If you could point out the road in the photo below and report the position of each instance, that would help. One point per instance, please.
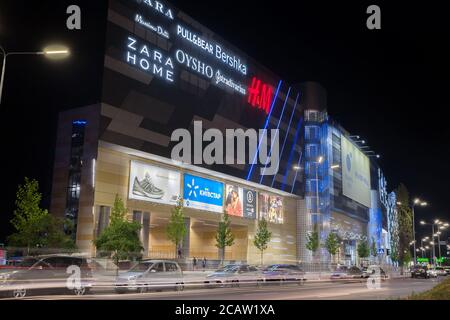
(391, 289)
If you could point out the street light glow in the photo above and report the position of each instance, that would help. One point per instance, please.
(422, 222)
(416, 201)
(320, 160)
(56, 52)
(424, 204)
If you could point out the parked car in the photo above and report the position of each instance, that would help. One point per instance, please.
(283, 273)
(447, 270)
(47, 274)
(234, 275)
(432, 273)
(420, 272)
(441, 271)
(374, 271)
(347, 273)
(150, 275)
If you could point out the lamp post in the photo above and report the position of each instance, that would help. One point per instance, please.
(416, 202)
(50, 51)
(434, 235)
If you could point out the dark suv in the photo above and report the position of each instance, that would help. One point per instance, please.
(47, 274)
(419, 272)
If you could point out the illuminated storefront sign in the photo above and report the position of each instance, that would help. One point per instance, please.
(220, 78)
(260, 95)
(205, 57)
(147, 24)
(203, 194)
(159, 7)
(194, 64)
(214, 49)
(151, 61)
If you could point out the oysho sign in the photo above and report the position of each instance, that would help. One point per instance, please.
(213, 49)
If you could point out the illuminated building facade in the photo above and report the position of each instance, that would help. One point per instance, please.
(161, 72)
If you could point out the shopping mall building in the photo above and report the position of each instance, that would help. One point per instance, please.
(163, 71)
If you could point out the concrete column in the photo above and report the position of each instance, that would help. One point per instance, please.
(187, 239)
(146, 232)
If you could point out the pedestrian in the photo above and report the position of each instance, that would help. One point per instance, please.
(179, 253)
(194, 263)
(204, 263)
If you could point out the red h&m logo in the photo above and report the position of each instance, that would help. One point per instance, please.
(260, 95)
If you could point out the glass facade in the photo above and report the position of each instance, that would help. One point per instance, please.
(74, 183)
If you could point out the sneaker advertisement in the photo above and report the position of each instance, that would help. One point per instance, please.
(154, 184)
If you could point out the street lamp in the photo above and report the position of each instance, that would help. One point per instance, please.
(53, 52)
(437, 235)
(416, 202)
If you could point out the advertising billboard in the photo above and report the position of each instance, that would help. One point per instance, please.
(270, 208)
(240, 202)
(355, 173)
(203, 194)
(153, 184)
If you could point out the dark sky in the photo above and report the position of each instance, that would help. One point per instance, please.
(388, 86)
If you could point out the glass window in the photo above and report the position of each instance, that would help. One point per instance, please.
(159, 267)
(171, 267)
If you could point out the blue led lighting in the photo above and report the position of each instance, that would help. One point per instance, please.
(296, 174)
(273, 138)
(265, 128)
(287, 132)
(79, 122)
(291, 154)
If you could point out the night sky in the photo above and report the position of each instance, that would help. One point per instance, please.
(388, 86)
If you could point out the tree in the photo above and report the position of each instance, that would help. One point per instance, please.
(121, 238)
(404, 217)
(363, 249)
(332, 244)
(224, 236)
(176, 229)
(35, 227)
(312, 240)
(373, 248)
(262, 237)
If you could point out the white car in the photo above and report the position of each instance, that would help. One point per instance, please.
(432, 273)
(233, 275)
(150, 275)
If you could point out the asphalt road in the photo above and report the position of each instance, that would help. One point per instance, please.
(391, 289)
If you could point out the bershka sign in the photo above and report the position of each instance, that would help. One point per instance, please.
(180, 49)
(214, 49)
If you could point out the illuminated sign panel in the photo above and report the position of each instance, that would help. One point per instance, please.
(355, 173)
(192, 50)
(203, 194)
(240, 202)
(260, 95)
(153, 184)
(149, 59)
(270, 208)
